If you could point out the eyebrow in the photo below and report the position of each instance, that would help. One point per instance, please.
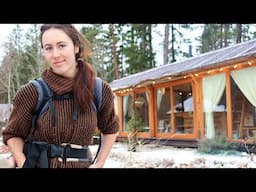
(60, 42)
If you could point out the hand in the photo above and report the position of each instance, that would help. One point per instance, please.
(4, 149)
(20, 163)
(96, 165)
(20, 160)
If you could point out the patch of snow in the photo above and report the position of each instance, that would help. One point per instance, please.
(159, 156)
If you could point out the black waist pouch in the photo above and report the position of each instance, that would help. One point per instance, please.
(36, 154)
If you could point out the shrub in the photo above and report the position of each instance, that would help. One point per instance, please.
(218, 144)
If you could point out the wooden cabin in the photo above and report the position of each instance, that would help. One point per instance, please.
(213, 94)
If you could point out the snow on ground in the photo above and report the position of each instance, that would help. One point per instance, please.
(160, 156)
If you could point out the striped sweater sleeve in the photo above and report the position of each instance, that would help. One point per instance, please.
(108, 121)
(19, 121)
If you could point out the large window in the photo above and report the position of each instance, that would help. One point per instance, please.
(163, 109)
(141, 111)
(135, 112)
(183, 108)
(243, 103)
(127, 111)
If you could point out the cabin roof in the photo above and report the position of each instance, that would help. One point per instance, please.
(213, 59)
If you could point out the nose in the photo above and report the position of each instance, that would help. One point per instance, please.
(55, 53)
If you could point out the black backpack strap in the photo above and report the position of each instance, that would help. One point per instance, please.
(43, 101)
(39, 101)
(48, 96)
(97, 103)
(97, 94)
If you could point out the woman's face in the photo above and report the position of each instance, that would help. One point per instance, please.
(59, 52)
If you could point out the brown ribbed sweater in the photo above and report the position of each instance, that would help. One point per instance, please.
(67, 130)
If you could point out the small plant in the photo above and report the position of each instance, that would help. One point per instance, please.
(134, 125)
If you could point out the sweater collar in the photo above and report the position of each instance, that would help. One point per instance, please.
(57, 83)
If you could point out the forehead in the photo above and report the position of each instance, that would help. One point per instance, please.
(53, 36)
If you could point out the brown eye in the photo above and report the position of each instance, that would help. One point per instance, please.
(62, 46)
(48, 48)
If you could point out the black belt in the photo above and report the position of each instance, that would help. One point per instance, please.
(67, 151)
(37, 153)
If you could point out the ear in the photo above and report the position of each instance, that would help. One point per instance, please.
(76, 49)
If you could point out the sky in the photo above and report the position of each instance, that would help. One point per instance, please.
(6, 29)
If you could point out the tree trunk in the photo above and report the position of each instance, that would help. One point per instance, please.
(132, 140)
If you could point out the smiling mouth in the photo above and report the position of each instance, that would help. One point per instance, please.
(58, 62)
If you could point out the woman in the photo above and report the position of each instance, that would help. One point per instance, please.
(66, 52)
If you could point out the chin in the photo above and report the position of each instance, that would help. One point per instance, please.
(59, 72)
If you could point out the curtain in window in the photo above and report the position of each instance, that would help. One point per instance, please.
(246, 81)
(213, 87)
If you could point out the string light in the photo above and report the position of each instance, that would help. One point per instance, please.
(211, 71)
(163, 91)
